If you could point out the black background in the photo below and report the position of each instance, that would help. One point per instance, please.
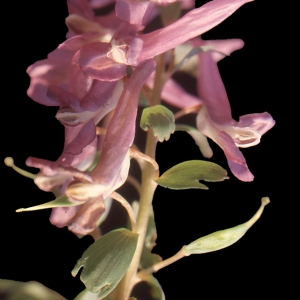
(33, 249)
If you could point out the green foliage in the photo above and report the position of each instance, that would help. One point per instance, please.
(106, 261)
(160, 119)
(32, 290)
(186, 175)
(61, 201)
(223, 238)
(155, 288)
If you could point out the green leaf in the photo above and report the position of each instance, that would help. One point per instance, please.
(156, 291)
(186, 175)
(106, 261)
(223, 238)
(161, 121)
(32, 290)
(61, 201)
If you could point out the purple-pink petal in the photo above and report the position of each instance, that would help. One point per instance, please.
(81, 147)
(94, 62)
(235, 158)
(62, 216)
(211, 90)
(175, 95)
(261, 122)
(194, 23)
(121, 129)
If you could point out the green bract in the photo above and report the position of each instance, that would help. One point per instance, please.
(161, 121)
(61, 201)
(186, 175)
(224, 238)
(32, 290)
(155, 288)
(106, 261)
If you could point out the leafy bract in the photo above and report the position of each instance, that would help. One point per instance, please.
(106, 261)
(186, 175)
(223, 238)
(62, 201)
(155, 288)
(160, 119)
(31, 290)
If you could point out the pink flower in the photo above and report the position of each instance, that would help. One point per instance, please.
(194, 23)
(84, 76)
(214, 118)
(215, 121)
(112, 168)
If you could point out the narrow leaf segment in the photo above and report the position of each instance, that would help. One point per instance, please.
(62, 201)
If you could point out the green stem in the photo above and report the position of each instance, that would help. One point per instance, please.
(123, 290)
(156, 267)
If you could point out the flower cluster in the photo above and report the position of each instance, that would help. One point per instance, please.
(97, 74)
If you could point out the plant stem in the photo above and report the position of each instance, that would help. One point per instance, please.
(123, 290)
(144, 273)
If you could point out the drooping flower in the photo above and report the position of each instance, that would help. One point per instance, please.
(214, 118)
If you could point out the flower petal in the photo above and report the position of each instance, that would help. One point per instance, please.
(121, 129)
(235, 158)
(61, 216)
(260, 122)
(175, 95)
(212, 91)
(94, 62)
(194, 23)
(87, 216)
